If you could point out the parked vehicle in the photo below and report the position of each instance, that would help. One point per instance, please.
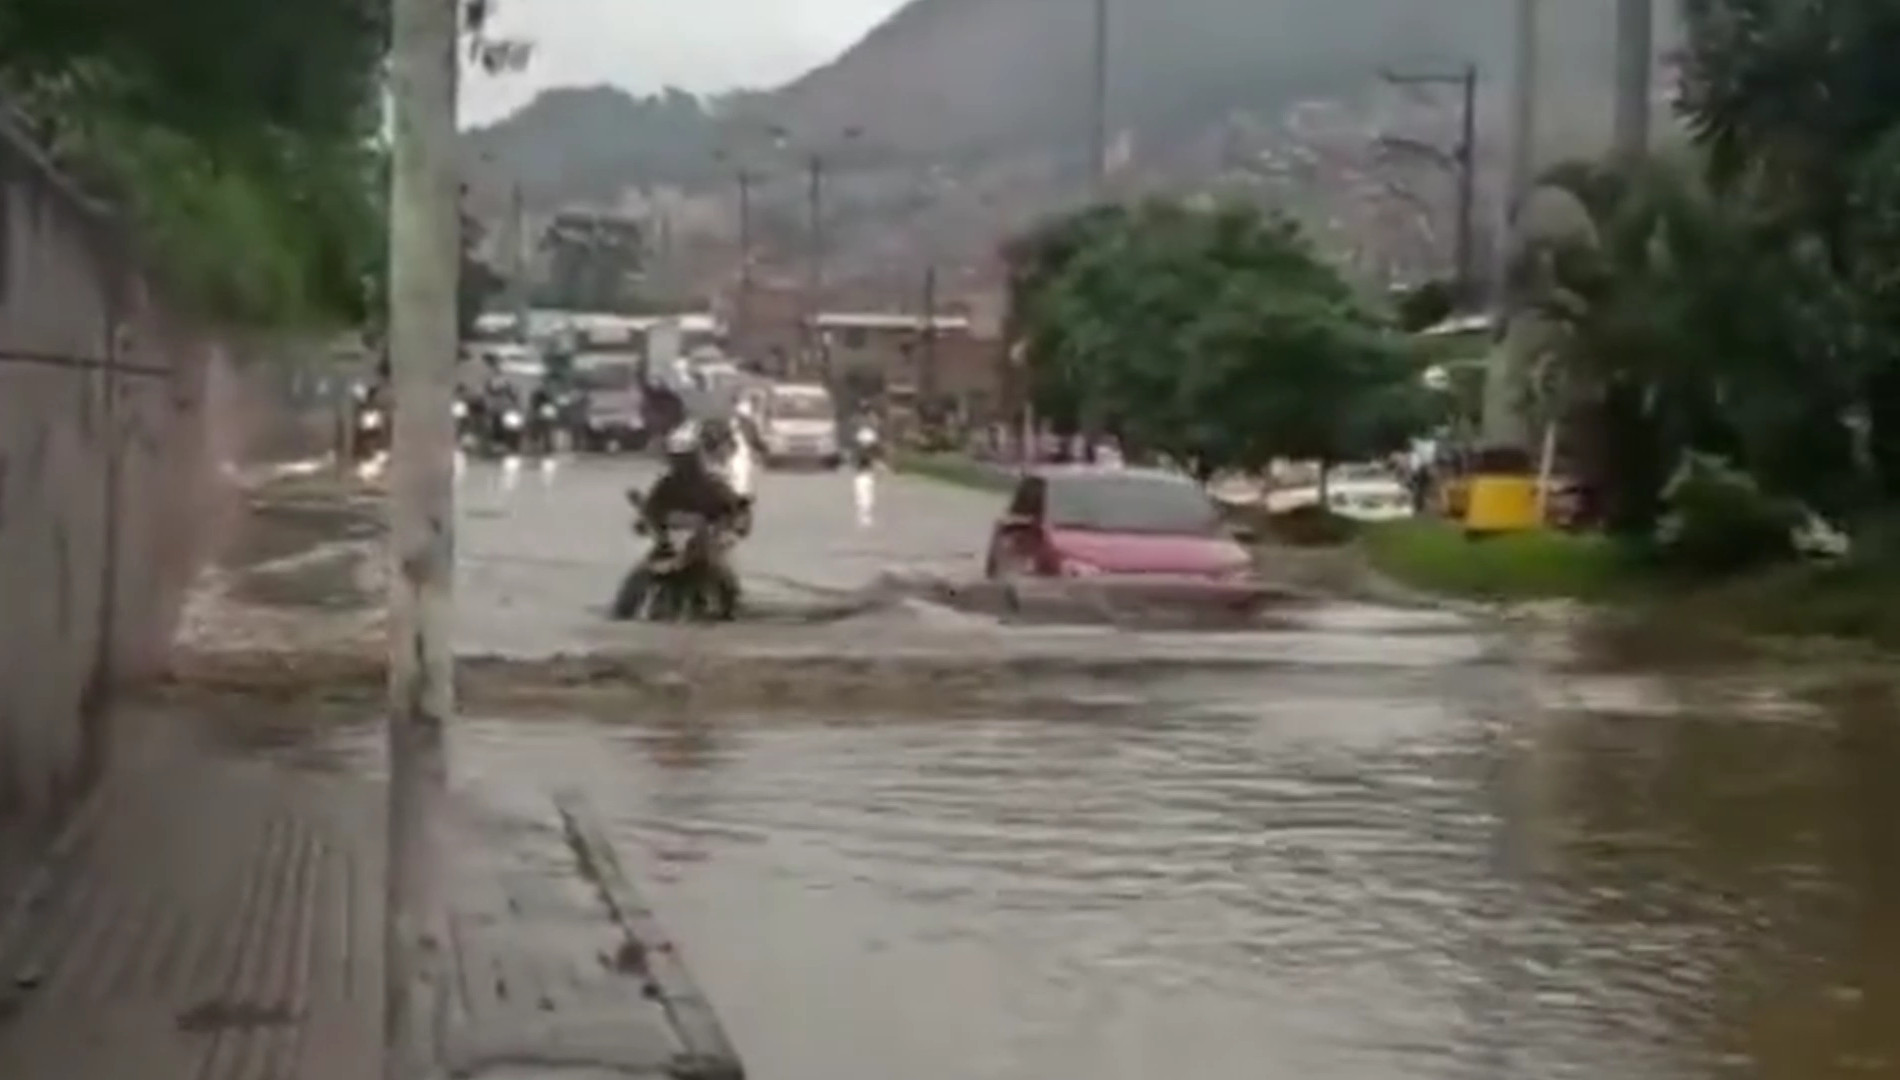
(1138, 529)
(1357, 492)
(798, 423)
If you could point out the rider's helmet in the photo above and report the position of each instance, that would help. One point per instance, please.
(683, 442)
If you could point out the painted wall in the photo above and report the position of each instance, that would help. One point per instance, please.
(106, 488)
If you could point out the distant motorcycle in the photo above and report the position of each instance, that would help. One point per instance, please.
(542, 431)
(686, 576)
(369, 425)
(469, 416)
(506, 428)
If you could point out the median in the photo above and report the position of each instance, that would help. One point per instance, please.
(1436, 556)
(959, 469)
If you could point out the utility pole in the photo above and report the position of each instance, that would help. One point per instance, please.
(1635, 66)
(1468, 187)
(1098, 104)
(518, 259)
(927, 370)
(742, 315)
(424, 250)
(1462, 162)
(815, 258)
(1504, 424)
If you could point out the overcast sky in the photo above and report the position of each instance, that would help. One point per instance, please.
(643, 45)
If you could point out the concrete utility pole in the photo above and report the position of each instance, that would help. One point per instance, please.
(519, 286)
(1098, 103)
(1635, 71)
(1462, 162)
(1504, 424)
(1468, 186)
(742, 314)
(815, 257)
(927, 369)
(424, 249)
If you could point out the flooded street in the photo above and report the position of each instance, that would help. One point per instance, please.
(1338, 874)
(1400, 845)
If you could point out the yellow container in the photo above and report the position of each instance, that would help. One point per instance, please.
(1502, 503)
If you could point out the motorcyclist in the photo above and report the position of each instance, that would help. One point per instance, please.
(544, 414)
(664, 409)
(689, 486)
(499, 400)
(867, 449)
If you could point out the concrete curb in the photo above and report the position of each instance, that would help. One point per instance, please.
(646, 951)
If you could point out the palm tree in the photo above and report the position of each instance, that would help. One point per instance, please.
(1676, 323)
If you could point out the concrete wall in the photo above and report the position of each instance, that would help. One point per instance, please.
(105, 492)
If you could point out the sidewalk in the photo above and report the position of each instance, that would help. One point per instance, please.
(216, 915)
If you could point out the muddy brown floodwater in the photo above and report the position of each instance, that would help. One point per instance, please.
(1546, 861)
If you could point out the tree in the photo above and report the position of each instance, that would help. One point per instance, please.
(1214, 336)
(1797, 104)
(595, 259)
(479, 282)
(251, 170)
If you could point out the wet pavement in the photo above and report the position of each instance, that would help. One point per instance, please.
(1354, 843)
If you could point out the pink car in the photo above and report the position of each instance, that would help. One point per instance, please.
(1153, 532)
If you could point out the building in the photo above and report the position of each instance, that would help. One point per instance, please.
(902, 357)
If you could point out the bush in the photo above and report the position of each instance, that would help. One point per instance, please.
(1717, 520)
(1309, 526)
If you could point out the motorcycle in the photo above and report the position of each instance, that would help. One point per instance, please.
(543, 427)
(686, 577)
(507, 428)
(369, 425)
(468, 423)
(369, 432)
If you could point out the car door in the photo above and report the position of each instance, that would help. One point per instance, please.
(1016, 546)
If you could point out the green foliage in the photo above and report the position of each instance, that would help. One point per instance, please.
(1311, 525)
(595, 259)
(1427, 305)
(237, 135)
(1719, 521)
(478, 283)
(959, 470)
(1216, 337)
(1435, 556)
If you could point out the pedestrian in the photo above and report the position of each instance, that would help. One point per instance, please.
(866, 454)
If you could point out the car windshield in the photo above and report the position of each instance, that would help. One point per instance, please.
(1131, 503)
(801, 407)
(607, 377)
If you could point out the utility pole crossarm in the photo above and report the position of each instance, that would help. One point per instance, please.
(1402, 144)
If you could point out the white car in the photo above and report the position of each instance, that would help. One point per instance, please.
(1360, 498)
